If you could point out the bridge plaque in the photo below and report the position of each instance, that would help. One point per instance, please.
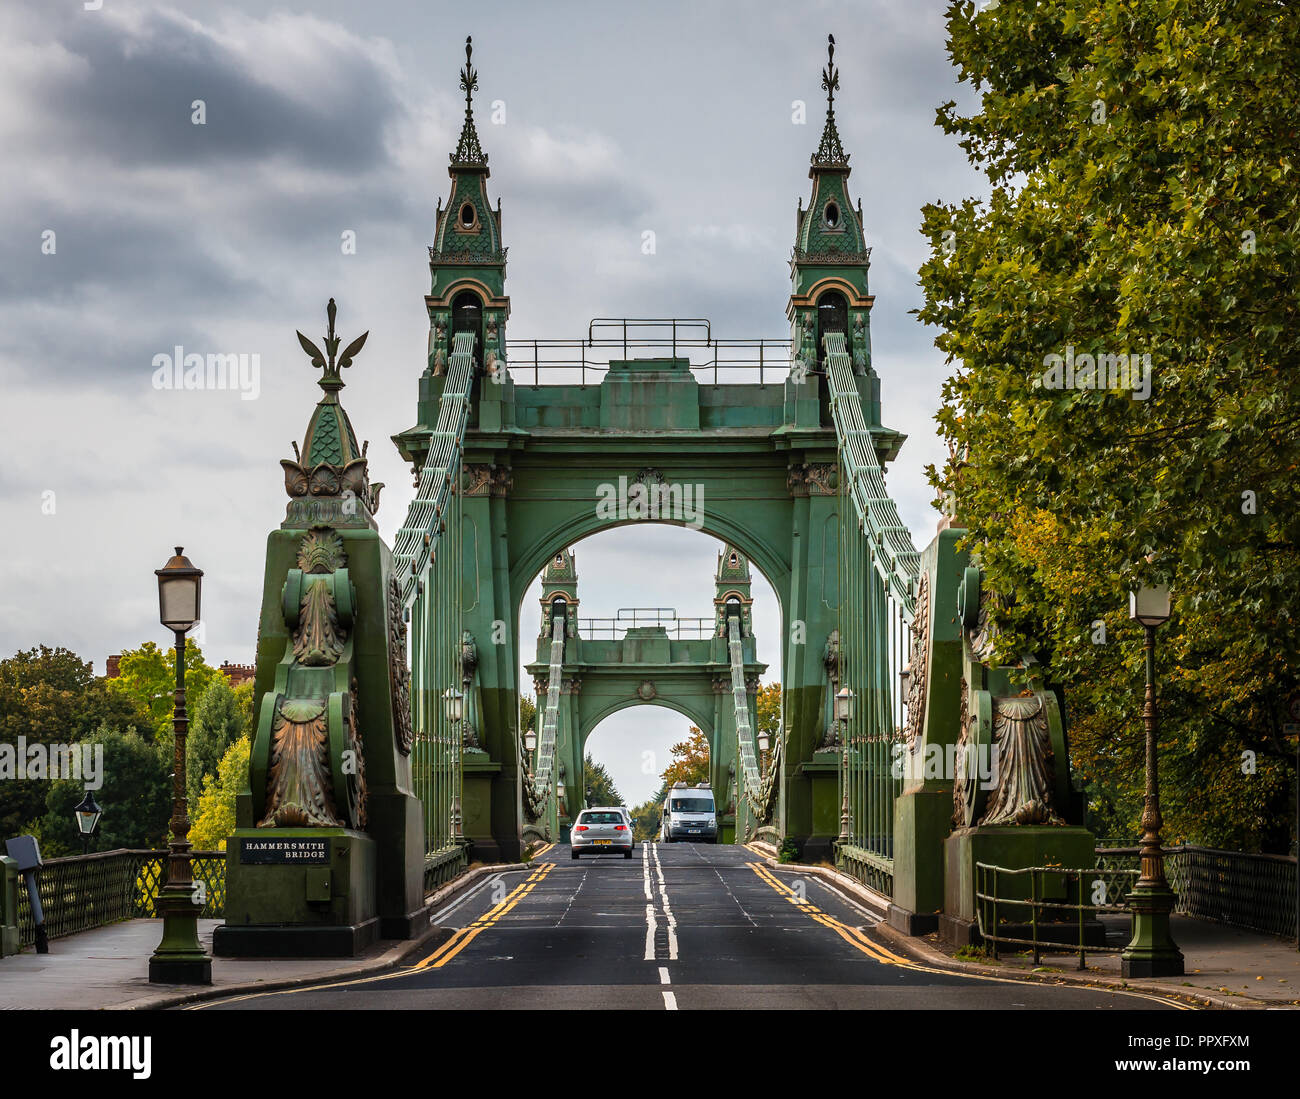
(279, 852)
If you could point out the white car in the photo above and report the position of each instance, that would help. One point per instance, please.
(603, 830)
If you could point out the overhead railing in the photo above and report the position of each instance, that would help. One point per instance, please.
(585, 361)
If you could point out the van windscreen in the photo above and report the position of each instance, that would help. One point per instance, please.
(692, 805)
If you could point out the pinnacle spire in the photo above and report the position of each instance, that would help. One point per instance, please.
(468, 149)
(331, 365)
(830, 153)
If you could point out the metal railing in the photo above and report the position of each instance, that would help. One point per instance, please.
(609, 629)
(879, 583)
(681, 337)
(1254, 892)
(83, 892)
(1055, 900)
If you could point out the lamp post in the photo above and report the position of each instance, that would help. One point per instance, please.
(179, 958)
(530, 745)
(87, 812)
(843, 712)
(1152, 951)
(453, 704)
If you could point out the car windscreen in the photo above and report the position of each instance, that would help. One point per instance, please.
(601, 818)
(692, 805)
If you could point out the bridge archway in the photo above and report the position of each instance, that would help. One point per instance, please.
(644, 657)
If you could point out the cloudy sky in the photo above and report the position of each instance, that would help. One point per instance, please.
(130, 230)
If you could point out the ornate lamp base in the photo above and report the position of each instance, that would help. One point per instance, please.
(1152, 951)
(179, 959)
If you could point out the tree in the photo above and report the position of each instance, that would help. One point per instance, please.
(148, 675)
(1141, 223)
(217, 723)
(768, 712)
(214, 818)
(528, 714)
(51, 696)
(645, 817)
(690, 760)
(600, 788)
(136, 798)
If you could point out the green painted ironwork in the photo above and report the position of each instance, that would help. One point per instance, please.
(879, 569)
(82, 892)
(428, 560)
(749, 769)
(1256, 892)
(1055, 902)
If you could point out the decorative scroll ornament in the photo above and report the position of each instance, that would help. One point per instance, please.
(961, 798)
(983, 633)
(1025, 764)
(318, 641)
(399, 673)
(299, 792)
(918, 662)
(468, 668)
(308, 746)
(831, 662)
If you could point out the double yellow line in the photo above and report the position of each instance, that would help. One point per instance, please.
(875, 951)
(467, 935)
(850, 935)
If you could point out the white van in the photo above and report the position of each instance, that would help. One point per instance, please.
(689, 814)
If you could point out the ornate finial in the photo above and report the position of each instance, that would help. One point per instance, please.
(468, 150)
(830, 74)
(468, 77)
(331, 380)
(830, 153)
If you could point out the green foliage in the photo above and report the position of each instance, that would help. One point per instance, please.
(645, 817)
(148, 676)
(600, 788)
(135, 797)
(1141, 159)
(217, 723)
(528, 713)
(214, 819)
(51, 696)
(789, 851)
(690, 760)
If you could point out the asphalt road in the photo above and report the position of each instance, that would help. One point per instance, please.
(677, 927)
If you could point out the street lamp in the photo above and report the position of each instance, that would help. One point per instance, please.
(87, 812)
(764, 741)
(179, 958)
(1152, 951)
(453, 703)
(844, 704)
(530, 742)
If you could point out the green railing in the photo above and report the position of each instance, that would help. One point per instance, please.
(83, 892)
(444, 866)
(879, 574)
(1046, 899)
(1255, 892)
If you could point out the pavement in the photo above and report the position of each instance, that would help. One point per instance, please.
(677, 927)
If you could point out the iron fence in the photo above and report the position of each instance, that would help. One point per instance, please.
(1255, 892)
(82, 892)
(679, 629)
(1055, 903)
